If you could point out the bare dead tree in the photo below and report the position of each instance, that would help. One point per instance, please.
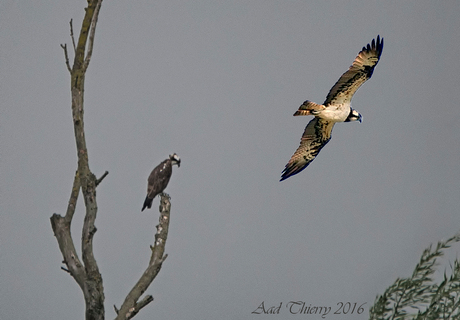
(86, 271)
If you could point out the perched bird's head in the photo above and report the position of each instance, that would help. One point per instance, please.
(354, 116)
(175, 159)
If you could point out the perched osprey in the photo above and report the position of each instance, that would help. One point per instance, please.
(159, 178)
(336, 108)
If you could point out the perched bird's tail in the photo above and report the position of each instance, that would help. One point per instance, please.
(147, 203)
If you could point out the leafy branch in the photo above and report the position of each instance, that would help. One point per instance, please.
(418, 297)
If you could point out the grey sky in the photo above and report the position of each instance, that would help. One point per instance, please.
(217, 82)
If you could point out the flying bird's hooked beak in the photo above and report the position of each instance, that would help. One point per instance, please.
(354, 116)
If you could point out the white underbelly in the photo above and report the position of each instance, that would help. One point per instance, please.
(336, 113)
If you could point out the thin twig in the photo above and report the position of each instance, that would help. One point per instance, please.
(66, 270)
(138, 306)
(91, 35)
(64, 47)
(71, 35)
(145, 301)
(101, 178)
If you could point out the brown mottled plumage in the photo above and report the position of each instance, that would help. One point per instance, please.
(159, 178)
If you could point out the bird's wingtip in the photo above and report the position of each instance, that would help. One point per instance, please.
(285, 174)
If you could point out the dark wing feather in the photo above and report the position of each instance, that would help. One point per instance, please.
(316, 135)
(159, 178)
(157, 182)
(360, 71)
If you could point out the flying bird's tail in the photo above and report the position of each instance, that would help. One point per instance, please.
(309, 108)
(147, 203)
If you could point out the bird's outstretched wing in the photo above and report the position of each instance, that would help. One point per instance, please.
(316, 135)
(360, 71)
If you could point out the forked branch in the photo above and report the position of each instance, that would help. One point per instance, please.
(85, 271)
(131, 306)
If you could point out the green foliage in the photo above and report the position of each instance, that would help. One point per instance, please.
(418, 297)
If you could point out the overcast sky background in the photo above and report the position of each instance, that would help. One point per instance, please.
(217, 82)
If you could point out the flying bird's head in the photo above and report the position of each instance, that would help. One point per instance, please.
(175, 159)
(354, 116)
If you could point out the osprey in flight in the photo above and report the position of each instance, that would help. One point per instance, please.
(159, 178)
(336, 108)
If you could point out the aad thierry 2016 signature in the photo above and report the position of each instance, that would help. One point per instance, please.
(301, 307)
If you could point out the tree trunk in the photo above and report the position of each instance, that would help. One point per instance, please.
(86, 272)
